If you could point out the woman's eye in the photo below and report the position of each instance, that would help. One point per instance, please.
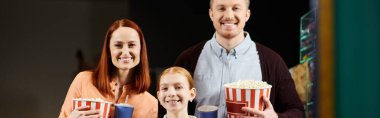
(118, 45)
(131, 45)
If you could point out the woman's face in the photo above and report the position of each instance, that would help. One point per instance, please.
(125, 48)
(174, 92)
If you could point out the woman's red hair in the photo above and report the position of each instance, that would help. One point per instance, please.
(140, 81)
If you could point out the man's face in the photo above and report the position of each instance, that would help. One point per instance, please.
(229, 17)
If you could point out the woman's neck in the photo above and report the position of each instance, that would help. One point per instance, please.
(123, 76)
(180, 114)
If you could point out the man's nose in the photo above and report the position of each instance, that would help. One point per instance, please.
(229, 14)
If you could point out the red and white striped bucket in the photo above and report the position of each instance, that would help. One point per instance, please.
(102, 106)
(237, 98)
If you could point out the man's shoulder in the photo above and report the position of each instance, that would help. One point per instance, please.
(266, 52)
(197, 47)
(192, 51)
(189, 57)
(269, 58)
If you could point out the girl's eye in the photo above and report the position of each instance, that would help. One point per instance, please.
(164, 89)
(178, 87)
(235, 8)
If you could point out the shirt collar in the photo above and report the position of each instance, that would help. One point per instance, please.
(237, 51)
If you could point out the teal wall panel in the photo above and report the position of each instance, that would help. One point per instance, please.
(357, 49)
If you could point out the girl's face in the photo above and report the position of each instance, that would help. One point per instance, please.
(125, 48)
(174, 92)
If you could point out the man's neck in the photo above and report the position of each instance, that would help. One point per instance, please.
(229, 43)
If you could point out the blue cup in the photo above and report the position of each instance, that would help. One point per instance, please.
(208, 111)
(123, 111)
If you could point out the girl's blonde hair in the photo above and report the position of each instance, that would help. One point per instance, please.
(177, 70)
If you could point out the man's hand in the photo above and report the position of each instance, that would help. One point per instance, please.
(268, 112)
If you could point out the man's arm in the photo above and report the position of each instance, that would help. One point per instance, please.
(284, 97)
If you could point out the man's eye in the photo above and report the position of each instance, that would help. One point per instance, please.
(221, 9)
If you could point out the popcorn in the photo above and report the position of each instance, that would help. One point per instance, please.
(95, 104)
(248, 84)
(245, 93)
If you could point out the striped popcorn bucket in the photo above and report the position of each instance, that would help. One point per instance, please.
(102, 106)
(237, 98)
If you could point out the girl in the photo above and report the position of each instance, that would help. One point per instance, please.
(175, 89)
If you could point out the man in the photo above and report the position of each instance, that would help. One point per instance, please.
(231, 55)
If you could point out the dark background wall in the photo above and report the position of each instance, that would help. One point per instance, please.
(38, 44)
(171, 26)
(39, 40)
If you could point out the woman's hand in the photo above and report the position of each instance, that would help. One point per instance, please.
(84, 112)
(268, 112)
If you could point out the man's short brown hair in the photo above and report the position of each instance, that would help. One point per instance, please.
(248, 2)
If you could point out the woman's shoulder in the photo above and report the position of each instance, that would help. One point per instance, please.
(85, 73)
(144, 97)
(150, 97)
(84, 76)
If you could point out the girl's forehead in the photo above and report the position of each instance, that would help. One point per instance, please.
(173, 78)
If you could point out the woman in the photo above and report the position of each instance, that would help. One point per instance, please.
(123, 71)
